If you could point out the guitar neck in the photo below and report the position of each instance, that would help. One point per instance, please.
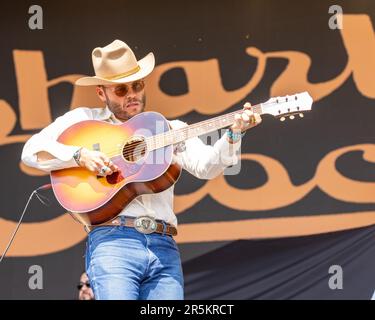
(194, 130)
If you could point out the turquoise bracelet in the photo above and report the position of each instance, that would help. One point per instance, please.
(234, 136)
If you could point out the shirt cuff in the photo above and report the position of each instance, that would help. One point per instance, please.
(228, 151)
(62, 153)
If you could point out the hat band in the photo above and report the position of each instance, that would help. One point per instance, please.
(125, 74)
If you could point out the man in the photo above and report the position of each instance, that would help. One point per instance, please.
(124, 262)
(84, 288)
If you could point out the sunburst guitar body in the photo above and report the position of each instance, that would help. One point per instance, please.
(94, 199)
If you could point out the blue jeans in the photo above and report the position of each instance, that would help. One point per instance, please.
(124, 264)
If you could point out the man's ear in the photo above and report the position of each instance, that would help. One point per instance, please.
(100, 93)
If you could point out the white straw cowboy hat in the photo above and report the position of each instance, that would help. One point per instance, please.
(116, 63)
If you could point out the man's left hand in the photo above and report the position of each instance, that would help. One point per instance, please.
(246, 119)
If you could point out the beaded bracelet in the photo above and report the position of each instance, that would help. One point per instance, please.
(77, 156)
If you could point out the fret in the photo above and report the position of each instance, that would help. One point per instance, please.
(169, 140)
(197, 129)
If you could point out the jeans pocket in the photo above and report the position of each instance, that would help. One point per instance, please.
(100, 232)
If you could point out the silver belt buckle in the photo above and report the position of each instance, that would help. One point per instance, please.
(145, 224)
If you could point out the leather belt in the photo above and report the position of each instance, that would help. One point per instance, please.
(143, 224)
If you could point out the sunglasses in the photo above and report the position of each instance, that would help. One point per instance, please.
(81, 284)
(123, 89)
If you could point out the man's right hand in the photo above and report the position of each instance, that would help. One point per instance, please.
(97, 161)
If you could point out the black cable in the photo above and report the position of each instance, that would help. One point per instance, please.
(39, 196)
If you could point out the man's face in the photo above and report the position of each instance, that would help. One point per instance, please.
(85, 293)
(124, 100)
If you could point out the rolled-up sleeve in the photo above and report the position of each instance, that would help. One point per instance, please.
(206, 161)
(46, 140)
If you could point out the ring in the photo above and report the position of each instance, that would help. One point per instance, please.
(252, 120)
(103, 170)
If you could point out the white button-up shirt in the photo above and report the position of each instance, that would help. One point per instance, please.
(201, 160)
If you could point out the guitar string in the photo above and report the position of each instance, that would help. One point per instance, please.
(128, 150)
(162, 138)
(165, 136)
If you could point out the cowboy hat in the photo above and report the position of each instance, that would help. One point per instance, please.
(116, 63)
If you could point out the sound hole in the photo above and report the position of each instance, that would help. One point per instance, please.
(134, 149)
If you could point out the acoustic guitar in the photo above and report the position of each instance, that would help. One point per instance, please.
(142, 148)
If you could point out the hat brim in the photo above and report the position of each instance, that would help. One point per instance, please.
(146, 65)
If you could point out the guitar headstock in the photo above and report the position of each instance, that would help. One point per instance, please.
(288, 106)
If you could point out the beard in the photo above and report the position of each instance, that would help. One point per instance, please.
(85, 296)
(124, 113)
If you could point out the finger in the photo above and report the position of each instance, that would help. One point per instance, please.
(107, 162)
(255, 119)
(245, 117)
(99, 163)
(101, 168)
(249, 113)
(247, 105)
(91, 168)
(108, 170)
(98, 169)
(105, 171)
(258, 118)
(104, 158)
(112, 166)
(237, 120)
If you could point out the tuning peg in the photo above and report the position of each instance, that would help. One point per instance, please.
(291, 117)
(301, 115)
(282, 119)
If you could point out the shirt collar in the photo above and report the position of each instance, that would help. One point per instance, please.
(107, 114)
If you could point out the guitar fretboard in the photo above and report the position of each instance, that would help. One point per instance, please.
(175, 136)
